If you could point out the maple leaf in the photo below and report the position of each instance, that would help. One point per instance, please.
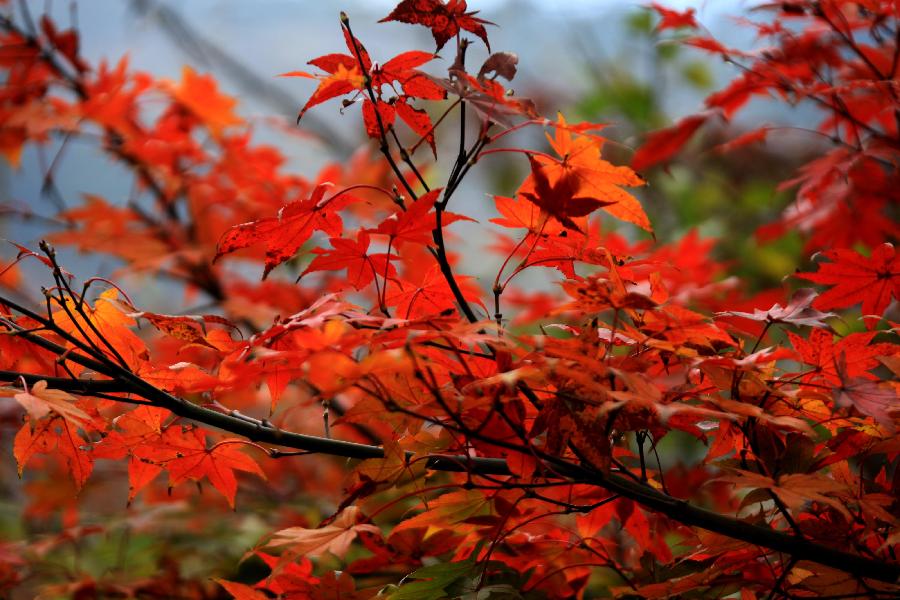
(448, 510)
(521, 214)
(348, 72)
(710, 45)
(501, 64)
(105, 326)
(413, 224)
(444, 20)
(188, 328)
(855, 352)
(185, 455)
(66, 42)
(200, 95)
(181, 378)
(25, 252)
(386, 470)
(856, 278)
(353, 255)
(673, 19)
(107, 225)
(385, 111)
(142, 426)
(345, 78)
(872, 398)
(438, 580)
(417, 120)
(681, 326)
(416, 223)
(794, 489)
(40, 401)
(54, 436)
(663, 144)
(240, 591)
(581, 181)
(286, 233)
(289, 579)
(559, 199)
(492, 102)
(751, 137)
(797, 312)
(334, 538)
(597, 293)
(430, 296)
(403, 69)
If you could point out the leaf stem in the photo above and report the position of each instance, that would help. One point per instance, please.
(367, 81)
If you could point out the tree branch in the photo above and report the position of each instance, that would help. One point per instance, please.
(123, 381)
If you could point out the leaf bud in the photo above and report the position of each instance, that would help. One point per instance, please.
(46, 248)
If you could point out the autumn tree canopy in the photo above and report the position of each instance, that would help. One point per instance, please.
(351, 415)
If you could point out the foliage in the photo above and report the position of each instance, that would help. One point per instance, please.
(508, 446)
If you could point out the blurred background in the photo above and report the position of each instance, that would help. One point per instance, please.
(597, 60)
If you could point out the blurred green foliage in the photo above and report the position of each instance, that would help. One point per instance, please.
(725, 196)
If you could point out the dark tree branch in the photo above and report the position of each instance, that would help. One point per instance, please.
(124, 381)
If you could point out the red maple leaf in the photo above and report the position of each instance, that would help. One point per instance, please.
(403, 69)
(444, 20)
(415, 224)
(430, 296)
(661, 145)
(346, 73)
(284, 234)
(560, 199)
(334, 538)
(185, 454)
(354, 256)
(857, 352)
(241, 591)
(294, 577)
(856, 278)
(673, 19)
(59, 437)
(40, 401)
(385, 110)
(417, 120)
(200, 95)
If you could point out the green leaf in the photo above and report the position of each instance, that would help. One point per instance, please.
(434, 580)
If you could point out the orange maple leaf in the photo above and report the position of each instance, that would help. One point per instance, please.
(54, 436)
(200, 95)
(581, 181)
(107, 327)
